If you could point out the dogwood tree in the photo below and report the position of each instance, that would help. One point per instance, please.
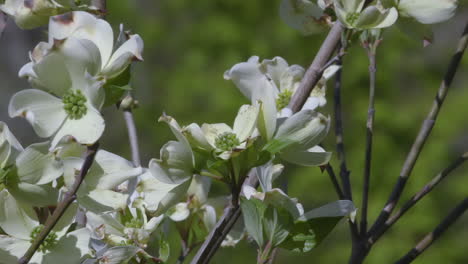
(67, 200)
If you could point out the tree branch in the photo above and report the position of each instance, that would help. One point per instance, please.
(417, 197)
(430, 238)
(223, 226)
(314, 72)
(423, 134)
(340, 149)
(127, 104)
(334, 180)
(371, 50)
(70, 196)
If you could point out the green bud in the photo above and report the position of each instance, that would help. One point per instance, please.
(74, 104)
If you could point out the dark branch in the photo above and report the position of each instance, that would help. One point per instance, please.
(334, 180)
(314, 72)
(430, 238)
(423, 134)
(222, 228)
(417, 197)
(369, 136)
(70, 196)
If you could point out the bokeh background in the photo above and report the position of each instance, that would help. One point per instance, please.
(189, 45)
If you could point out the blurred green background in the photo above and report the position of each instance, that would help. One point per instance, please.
(189, 45)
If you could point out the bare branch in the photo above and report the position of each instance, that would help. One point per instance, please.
(430, 238)
(70, 196)
(369, 136)
(334, 180)
(314, 72)
(340, 149)
(423, 134)
(417, 197)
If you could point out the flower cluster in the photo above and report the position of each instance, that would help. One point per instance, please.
(81, 69)
(305, 15)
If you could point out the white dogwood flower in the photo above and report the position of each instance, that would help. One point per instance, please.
(22, 226)
(97, 192)
(88, 47)
(353, 14)
(73, 110)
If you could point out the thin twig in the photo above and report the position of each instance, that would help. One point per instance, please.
(430, 238)
(334, 180)
(417, 197)
(340, 149)
(70, 196)
(423, 134)
(371, 50)
(314, 72)
(223, 226)
(184, 252)
(133, 139)
(273, 255)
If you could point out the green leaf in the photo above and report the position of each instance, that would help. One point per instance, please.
(253, 211)
(164, 249)
(277, 223)
(302, 238)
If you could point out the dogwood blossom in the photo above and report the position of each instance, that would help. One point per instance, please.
(98, 192)
(353, 14)
(88, 47)
(72, 111)
(21, 227)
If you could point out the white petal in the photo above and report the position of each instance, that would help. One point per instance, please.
(301, 131)
(428, 11)
(71, 166)
(83, 25)
(123, 56)
(79, 56)
(209, 217)
(110, 170)
(107, 221)
(9, 146)
(248, 77)
(372, 17)
(99, 200)
(160, 196)
(36, 165)
(301, 15)
(334, 209)
(86, 130)
(119, 255)
(33, 194)
(274, 69)
(71, 248)
(199, 188)
(44, 111)
(179, 212)
(195, 136)
(15, 220)
(245, 122)
(12, 249)
(315, 156)
(212, 131)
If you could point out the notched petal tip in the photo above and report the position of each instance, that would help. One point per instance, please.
(64, 19)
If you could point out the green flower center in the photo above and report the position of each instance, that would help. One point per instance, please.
(134, 223)
(352, 17)
(50, 241)
(283, 99)
(227, 141)
(74, 104)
